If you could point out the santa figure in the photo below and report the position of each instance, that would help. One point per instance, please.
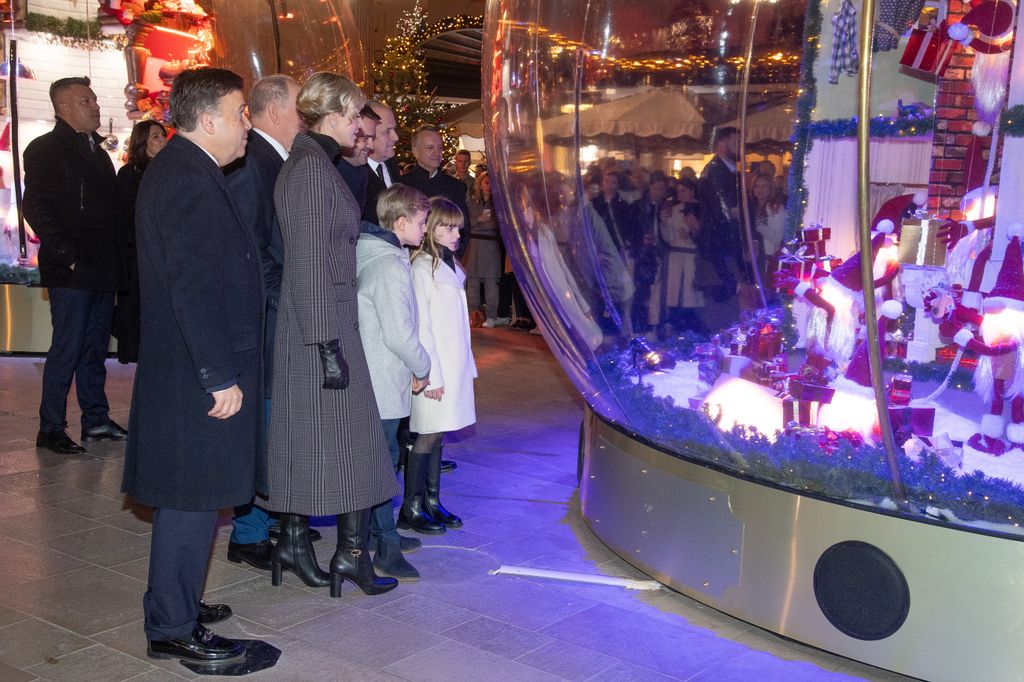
(837, 298)
(999, 376)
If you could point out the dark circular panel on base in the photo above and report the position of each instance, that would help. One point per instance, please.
(861, 590)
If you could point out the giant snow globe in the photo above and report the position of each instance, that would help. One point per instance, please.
(766, 242)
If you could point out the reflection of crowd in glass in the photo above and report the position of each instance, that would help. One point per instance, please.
(647, 251)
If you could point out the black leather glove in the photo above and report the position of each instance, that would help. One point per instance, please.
(335, 367)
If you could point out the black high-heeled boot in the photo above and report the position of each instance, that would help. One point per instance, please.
(294, 551)
(351, 561)
(414, 515)
(432, 494)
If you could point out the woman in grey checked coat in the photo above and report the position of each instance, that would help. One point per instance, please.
(327, 453)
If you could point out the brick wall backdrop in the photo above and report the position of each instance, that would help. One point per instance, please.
(954, 116)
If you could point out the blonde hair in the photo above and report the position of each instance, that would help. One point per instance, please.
(326, 93)
(399, 201)
(443, 212)
(478, 186)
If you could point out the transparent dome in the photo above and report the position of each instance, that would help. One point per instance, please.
(257, 38)
(677, 185)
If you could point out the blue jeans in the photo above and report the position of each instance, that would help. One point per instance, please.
(252, 524)
(82, 322)
(382, 518)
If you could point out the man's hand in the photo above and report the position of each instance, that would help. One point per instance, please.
(435, 393)
(226, 403)
(419, 384)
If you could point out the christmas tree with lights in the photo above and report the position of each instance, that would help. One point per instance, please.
(400, 81)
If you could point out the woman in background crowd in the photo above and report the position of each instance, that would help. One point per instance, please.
(146, 141)
(483, 256)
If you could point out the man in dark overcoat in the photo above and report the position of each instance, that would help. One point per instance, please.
(381, 160)
(275, 123)
(71, 203)
(427, 176)
(196, 430)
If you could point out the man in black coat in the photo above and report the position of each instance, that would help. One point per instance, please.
(275, 123)
(70, 201)
(381, 160)
(720, 241)
(352, 164)
(427, 176)
(196, 435)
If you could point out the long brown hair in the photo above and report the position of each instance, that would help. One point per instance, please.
(137, 155)
(442, 213)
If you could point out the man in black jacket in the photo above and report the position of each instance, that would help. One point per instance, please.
(71, 204)
(720, 240)
(427, 177)
(352, 164)
(381, 160)
(275, 123)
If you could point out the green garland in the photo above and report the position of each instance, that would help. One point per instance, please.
(805, 104)
(1011, 121)
(880, 126)
(962, 379)
(70, 28)
(14, 274)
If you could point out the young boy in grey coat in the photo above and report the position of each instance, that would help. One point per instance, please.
(388, 328)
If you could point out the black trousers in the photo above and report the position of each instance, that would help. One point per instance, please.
(178, 556)
(82, 321)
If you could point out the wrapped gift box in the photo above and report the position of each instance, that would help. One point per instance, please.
(815, 233)
(799, 412)
(899, 390)
(804, 390)
(735, 365)
(895, 346)
(916, 421)
(928, 50)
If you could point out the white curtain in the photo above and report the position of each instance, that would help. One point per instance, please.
(831, 179)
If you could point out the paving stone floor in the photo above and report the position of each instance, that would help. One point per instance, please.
(74, 562)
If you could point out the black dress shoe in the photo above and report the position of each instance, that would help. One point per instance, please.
(202, 646)
(59, 442)
(448, 465)
(275, 534)
(213, 613)
(108, 431)
(257, 554)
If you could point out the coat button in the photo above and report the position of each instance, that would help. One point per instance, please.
(246, 256)
(351, 240)
(354, 282)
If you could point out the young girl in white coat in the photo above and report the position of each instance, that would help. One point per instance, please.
(448, 403)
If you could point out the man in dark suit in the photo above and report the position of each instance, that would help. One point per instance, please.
(196, 435)
(352, 164)
(427, 177)
(381, 160)
(71, 204)
(720, 241)
(275, 123)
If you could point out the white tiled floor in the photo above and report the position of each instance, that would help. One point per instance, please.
(74, 561)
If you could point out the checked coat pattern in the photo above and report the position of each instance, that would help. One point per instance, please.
(845, 57)
(327, 453)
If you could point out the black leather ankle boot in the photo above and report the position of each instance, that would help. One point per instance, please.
(352, 560)
(414, 515)
(294, 551)
(432, 494)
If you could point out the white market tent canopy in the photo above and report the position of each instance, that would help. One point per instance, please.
(664, 114)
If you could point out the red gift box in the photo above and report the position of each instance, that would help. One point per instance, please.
(899, 390)
(800, 412)
(895, 345)
(816, 250)
(815, 234)
(916, 421)
(802, 390)
(928, 51)
(828, 263)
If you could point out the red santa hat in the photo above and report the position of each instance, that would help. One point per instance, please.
(848, 272)
(859, 369)
(994, 21)
(1009, 289)
(891, 214)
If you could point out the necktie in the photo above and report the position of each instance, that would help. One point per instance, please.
(91, 142)
(380, 173)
